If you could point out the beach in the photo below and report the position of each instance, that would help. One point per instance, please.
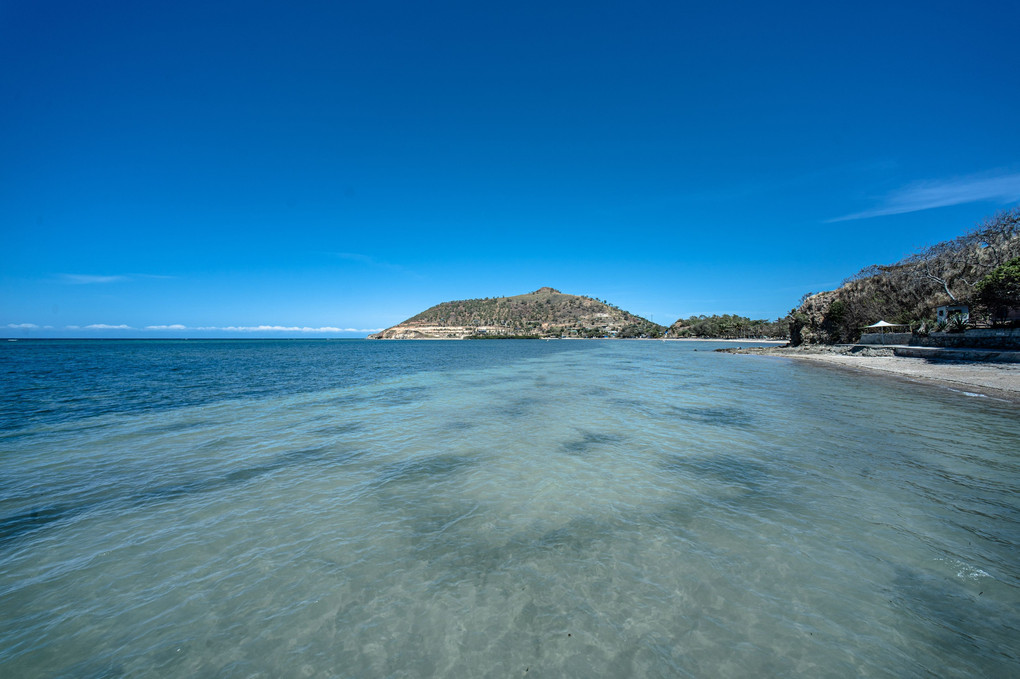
(995, 380)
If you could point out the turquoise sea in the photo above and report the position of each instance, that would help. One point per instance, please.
(497, 509)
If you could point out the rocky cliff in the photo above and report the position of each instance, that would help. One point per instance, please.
(543, 313)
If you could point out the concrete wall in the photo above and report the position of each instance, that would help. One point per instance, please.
(886, 338)
(941, 353)
(982, 338)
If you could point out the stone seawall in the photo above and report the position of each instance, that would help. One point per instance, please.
(981, 338)
(886, 338)
(968, 355)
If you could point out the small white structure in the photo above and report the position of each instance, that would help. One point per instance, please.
(879, 337)
(883, 325)
(944, 313)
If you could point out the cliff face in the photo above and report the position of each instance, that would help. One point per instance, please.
(544, 313)
(810, 324)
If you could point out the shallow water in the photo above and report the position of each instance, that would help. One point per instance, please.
(566, 508)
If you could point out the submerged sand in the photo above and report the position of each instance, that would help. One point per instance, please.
(997, 380)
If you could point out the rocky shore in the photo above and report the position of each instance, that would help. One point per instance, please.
(997, 379)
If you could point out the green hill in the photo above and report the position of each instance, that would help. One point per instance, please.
(543, 313)
(729, 326)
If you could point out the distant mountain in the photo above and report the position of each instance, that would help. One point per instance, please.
(543, 313)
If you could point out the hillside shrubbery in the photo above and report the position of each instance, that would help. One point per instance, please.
(545, 312)
(999, 291)
(909, 291)
(730, 326)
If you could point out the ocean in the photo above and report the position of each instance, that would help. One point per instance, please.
(357, 508)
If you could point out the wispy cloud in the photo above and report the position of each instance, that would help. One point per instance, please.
(286, 328)
(86, 279)
(925, 195)
(180, 327)
(368, 260)
(90, 279)
(260, 328)
(356, 257)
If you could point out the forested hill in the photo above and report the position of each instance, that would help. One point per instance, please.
(543, 313)
(728, 326)
(952, 272)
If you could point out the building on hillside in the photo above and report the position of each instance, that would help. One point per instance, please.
(944, 313)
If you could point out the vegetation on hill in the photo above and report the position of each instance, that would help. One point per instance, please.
(731, 327)
(908, 292)
(999, 292)
(980, 268)
(545, 313)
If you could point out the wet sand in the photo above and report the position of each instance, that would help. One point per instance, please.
(997, 380)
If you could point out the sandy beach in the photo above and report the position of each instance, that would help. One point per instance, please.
(996, 380)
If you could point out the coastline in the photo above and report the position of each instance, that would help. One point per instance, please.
(728, 340)
(1000, 381)
(777, 343)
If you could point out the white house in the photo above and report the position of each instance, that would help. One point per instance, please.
(944, 313)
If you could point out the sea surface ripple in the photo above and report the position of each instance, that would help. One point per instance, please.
(512, 508)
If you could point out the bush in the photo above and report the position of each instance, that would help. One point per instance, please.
(958, 322)
(999, 291)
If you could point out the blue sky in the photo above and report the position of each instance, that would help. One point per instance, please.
(260, 169)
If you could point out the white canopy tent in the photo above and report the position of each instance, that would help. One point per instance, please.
(882, 325)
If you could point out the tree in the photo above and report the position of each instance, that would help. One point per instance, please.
(997, 233)
(940, 263)
(999, 291)
(959, 262)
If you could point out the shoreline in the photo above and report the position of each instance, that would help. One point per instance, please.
(1000, 381)
(777, 343)
(726, 339)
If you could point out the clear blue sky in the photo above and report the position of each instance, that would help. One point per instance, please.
(347, 164)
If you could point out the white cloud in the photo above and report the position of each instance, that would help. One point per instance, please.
(85, 279)
(356, 257)
(23, 326)
(925, 195)
(261, 328)
(282, 328)
(368, 260)
(179, 327)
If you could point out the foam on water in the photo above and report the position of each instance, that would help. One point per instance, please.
(595, 509)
